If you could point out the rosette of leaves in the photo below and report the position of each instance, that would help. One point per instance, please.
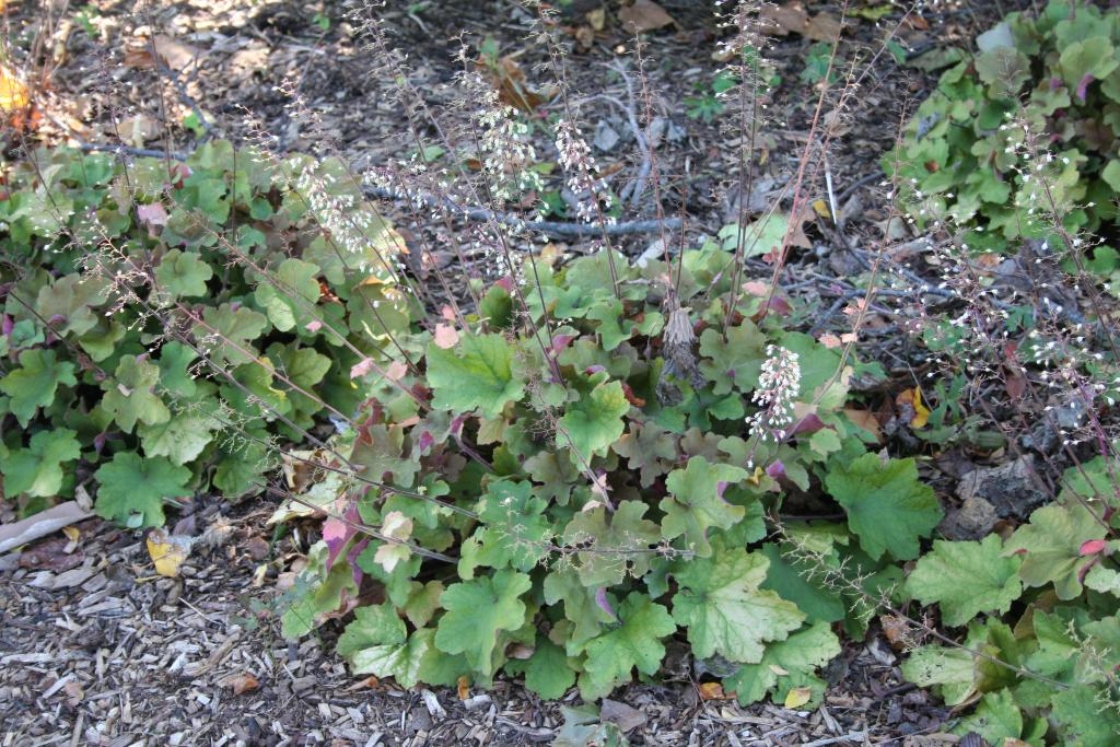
(163, 324)
(528, 500)
(1022, 134)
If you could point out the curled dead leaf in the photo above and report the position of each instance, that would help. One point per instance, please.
(168, 551)
(643, 16)
(910, 400)
(241, 683)
(712, 691)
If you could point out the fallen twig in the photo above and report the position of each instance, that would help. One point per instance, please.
(551, 228)
(41, 524)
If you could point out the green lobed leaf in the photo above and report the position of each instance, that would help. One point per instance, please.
(695, 502)
(1050, 546)
(376, 642)
(594, 422)
(794, 580)
(636, 642)
(966, 578)
(887, 507)
(67, 304)
(726, 612)
(290, 293)
(183, 274)
(649, 448)
(175, 375)
(132, 489)
(319, 593)
(549, 672)
(1087, 716)
(477, 374)
(581, 608)
(477, 613)
(35, 382)
(617, 543)
(950, 668)
(996, 718)
(785, 665)
(516, 532)
(37, 470)
(181, 439)
(735, 363)
(227, 333)
(130, 395)
(1092, 58)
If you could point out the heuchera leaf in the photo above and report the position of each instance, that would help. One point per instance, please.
(725, 611)
(290, 294)
(594, 422)
(966, 578)
(786, 665)
(888, 508)
(1092, 58)
(648, 447)
(132, 489)
(175, 360)
(951, 668)
(376, 642)
(1084, 721)
(793, 580)
(587, 618)
(478, 373)
(615, 549)
(515, 534)
(183, 274)
(227, 332)
(996, 719)
(477, 613)
(34, 383)
(130, 395)
(181, 439)
(67, 304)
(734, 363)
(319, 594)
(611, 657)
(695, 502)
(548, 672)
(1050, 546)
(37, 470)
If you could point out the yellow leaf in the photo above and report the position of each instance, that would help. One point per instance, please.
(755, 478)
(13, 93)
(168, 551)
(712, 691)
(72, 533)
(913, 399)
(798, 697)
(820, 207)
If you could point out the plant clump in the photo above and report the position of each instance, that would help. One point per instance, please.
(1026, 128)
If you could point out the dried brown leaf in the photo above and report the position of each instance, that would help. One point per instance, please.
(643, 16)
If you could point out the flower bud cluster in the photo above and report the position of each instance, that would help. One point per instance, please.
(778, 387)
